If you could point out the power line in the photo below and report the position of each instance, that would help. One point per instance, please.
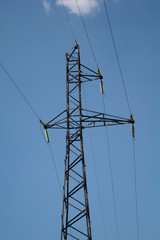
(116, 53)
(87, 34)
(55, 168)
(98, 188)
(112, 182)
(68, 19)
(95, 169)
(16, 86)
(135, 184)
(111, 173)
(125, 90)
(113, 191)
(54, 163)
(28, 103)
(35, 115)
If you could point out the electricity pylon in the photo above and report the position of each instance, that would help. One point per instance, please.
(76, 223)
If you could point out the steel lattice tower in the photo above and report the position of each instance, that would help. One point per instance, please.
(76, 222)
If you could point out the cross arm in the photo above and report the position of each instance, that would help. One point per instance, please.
(97, 119)
(89, 119)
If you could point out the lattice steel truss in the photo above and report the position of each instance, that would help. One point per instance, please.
(76, 222)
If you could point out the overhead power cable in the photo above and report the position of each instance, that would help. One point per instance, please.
(116, 53)
(19, 90)
(68, 19)
(87, 34)
(111, 173)
(98, 188)
(125, 90)
(135, 184)
(50, 148)
(47, 140)
(95, 169)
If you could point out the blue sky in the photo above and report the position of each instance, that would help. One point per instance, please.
(34, 38)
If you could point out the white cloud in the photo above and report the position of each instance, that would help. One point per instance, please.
(47, 6)
(86, 6)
